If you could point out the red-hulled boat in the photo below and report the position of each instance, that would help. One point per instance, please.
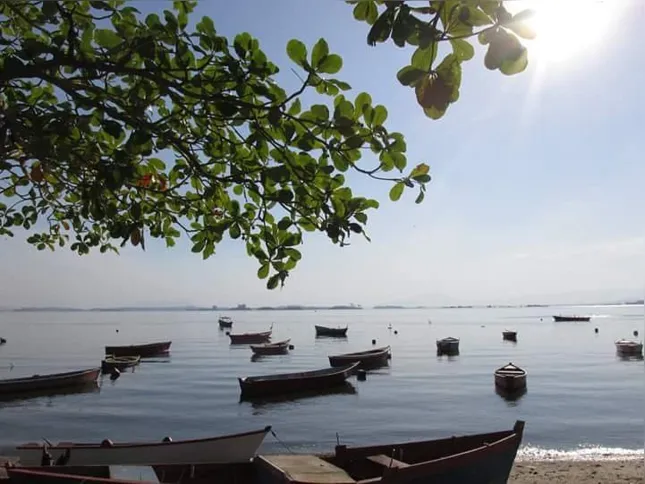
(147, 350)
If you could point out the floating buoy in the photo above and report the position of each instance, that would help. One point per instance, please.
(291, 347)
(541, 319)
(396, 332)
(114, 373)
(635, 333)
(227, 333)
(2, 341)
(117, 330)
(361, 375)
(596, 330)
(373, 341)
(167, 439)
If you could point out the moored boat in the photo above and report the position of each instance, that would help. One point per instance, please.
(471, 459)
(52, 381)
(510, 378)
(508, 335)
(119, 362)
(147, 350)
(332, 332)
(225, 322)
(278, 348)
(448, 346)
(562, 319)
(215, 450)
(285, 383)
(629, 348)
(366, 359)
(250, 338)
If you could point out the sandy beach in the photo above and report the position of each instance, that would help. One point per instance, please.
(561, 472)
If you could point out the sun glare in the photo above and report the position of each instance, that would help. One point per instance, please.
(567, 28)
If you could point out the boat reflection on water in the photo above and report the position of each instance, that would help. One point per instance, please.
(268, 401)
(511, 397)
(18, 398)
(627, 357)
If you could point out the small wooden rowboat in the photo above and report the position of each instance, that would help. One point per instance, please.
(510, 378)
(144, 351)
(471, 459)
(52, 381)
(119, 362)
(279, 348)
(448, 346)
(215, 450)
(250, 338)
(562, 319)
(332, 332)
(366, 359)
(509, 335)
(629, 348)
(225, 322)
(280, 384)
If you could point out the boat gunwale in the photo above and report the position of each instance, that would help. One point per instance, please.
(165, 344)
(369, 353)
(121, 445)
(321, 373)
(277, 344)
(510, 370)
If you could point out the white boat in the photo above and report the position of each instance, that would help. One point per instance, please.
(224, 449)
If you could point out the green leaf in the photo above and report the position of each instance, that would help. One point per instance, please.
(422, 59)
(510, 67)
(331, 64)
(382, 28)
(362, 100)
(354, 142)
(396, 191)
(420, 197)
(409, 75)
(295, 108)
(297, 52)
(320, 51)
(380, 115)
(273, 281)
(263, 271)
(366, 10)
(106, 38)
(462, 49)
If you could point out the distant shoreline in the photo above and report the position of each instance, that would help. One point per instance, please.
(301, 308)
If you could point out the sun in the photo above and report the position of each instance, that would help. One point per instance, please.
(567, 28)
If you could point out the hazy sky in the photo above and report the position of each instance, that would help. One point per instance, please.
(537, 187)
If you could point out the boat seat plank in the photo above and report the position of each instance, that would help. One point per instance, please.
(386, 461)
(309, 469)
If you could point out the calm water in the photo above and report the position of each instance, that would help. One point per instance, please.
(579, 392)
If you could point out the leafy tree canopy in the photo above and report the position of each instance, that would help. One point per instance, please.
(92, 94)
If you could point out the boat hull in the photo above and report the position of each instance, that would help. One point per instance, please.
(564, 319)
(290, 383)
(509, 336)
(448, 346)
(366, 359)
(281, 348)
(225, 323)
(629, 348)
(472, 459)
(218, 450)
(250, 338)
(331, 332)
(119, 362)
(144, 351)
(510, 383)
(54, 381)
